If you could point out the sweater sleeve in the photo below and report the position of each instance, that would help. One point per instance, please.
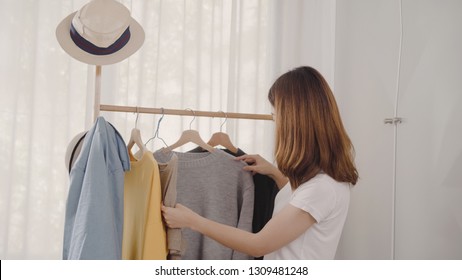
(246, 203)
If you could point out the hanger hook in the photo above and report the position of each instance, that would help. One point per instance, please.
(223, 123)
(137, 115)
(194, 117)
(156, 134)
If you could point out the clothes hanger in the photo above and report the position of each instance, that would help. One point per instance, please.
(222, 139)
(191, 136)
(135, 137)
(156, 134)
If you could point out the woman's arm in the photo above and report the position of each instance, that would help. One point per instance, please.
(283, 228)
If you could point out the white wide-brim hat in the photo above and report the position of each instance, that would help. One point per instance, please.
(73, 150)
(102, 32)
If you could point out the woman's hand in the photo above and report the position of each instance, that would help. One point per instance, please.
(257, 164)
(178, 217)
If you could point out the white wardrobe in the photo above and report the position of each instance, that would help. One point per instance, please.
(408, 203)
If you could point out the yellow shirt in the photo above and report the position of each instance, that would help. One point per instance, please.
(144, 235)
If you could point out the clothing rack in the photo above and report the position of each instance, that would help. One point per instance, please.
(132, 109)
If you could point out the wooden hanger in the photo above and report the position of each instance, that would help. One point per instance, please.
(135, 138)
(222, 139)
(192, 136)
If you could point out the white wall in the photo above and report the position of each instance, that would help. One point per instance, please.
(428, 223)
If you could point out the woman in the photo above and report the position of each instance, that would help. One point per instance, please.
(314, 172)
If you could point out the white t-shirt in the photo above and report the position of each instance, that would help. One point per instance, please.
(326, 200)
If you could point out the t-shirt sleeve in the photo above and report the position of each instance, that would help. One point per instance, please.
(316, 199)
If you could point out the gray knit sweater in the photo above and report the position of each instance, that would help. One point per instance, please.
(215, 186)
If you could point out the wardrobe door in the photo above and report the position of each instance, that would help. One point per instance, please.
(367, 47)
(429, 152)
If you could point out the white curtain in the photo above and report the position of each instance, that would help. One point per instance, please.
(203, 55)
(303, 33)
(214, 55)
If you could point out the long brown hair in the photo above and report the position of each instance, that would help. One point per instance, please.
(310, 136)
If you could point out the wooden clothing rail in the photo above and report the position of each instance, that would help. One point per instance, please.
(188, 112)
(229, 115)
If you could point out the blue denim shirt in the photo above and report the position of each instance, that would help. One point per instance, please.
(94, 211)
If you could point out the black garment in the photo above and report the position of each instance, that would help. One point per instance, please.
(265, 193)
